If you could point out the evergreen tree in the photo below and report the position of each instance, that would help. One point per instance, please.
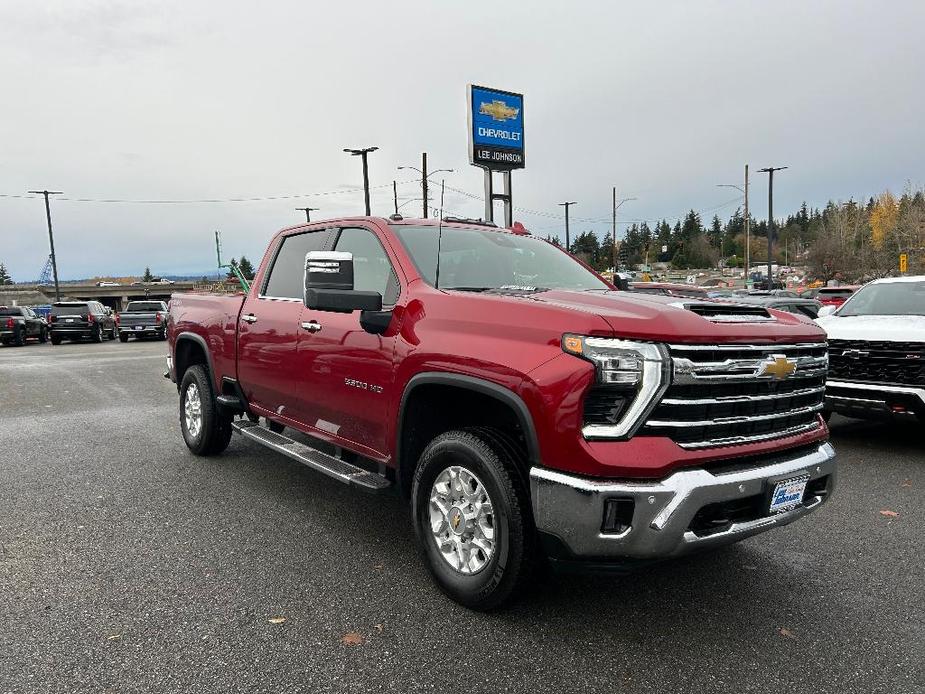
(587, 247)
(4, 275)
(716, 232)
(244, 265)
(147, 277)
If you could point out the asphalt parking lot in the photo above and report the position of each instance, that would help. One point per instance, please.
(128, 565)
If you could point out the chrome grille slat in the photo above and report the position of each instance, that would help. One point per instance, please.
(716, 397)
(723, 399)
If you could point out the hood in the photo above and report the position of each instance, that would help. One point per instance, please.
(674, 319)
(874, 328)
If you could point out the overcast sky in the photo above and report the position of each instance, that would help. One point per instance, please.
(189, 100)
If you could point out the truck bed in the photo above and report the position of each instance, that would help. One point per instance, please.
(213, 318)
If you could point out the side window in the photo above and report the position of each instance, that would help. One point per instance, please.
(286, 277)
(372, 271)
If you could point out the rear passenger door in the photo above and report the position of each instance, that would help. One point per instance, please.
(268, 327)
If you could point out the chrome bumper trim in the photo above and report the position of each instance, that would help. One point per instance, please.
(833, 384)
(572, 508)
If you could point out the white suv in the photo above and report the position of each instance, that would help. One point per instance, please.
(877, 351)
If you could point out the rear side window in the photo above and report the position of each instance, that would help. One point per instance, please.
(286, 278)
(10, 312)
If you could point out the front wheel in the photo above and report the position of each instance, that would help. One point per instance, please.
(113, 334)
(55, 339)
(472, 518)
(123, 337)
(43, 335)
(206, 429)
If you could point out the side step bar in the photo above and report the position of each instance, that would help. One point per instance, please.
(313, 458)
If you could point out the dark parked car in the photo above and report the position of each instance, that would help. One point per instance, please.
(143, 319)
(18, 323)
(72, 320)
(781, 302)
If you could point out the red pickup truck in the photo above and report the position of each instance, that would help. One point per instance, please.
(529, 411)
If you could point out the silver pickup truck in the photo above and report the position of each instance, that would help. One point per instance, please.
(143, 319)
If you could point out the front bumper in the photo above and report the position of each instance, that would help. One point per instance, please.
(875, 400)
(569, 510)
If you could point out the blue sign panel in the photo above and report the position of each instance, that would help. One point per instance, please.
(496, 128)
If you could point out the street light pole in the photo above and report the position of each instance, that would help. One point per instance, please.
(425, 178)
(770, 171)
(362, 153)
(308, 211)
(616, 207)
(566, 205)
(51, 236)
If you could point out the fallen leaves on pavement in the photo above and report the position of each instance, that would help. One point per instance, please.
(352, 638)
(888, 513)
(786, 633)
(276, 620)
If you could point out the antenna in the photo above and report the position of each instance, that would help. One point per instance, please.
(439, 235)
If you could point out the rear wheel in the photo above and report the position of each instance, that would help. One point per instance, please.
(20, 338)
(472, 518)
(97, 336)
(43, 335)
(206, 428)
(55, 339)
(113, 334)
(123, 337)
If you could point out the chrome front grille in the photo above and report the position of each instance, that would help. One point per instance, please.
(724, 395)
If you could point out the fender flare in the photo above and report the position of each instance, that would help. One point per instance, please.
(199, 340)
(478, 385)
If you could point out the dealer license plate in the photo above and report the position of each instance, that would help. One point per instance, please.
(788, 494)
(139, 327)
(68, 320)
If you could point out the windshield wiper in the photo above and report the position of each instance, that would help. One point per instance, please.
(468, 289)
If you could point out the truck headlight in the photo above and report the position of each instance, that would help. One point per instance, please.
(633, 374)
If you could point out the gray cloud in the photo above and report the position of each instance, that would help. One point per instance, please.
(170, 100)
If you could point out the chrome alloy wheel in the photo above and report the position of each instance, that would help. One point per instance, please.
(462, 520)
(192, 410)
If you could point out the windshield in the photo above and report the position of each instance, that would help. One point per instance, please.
(887, 299)
(143, 306)
(477, 260)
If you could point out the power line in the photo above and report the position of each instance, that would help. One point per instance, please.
(197, 201)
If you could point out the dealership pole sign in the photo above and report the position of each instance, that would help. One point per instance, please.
(496, 128)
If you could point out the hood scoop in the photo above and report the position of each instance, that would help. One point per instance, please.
(729, 313)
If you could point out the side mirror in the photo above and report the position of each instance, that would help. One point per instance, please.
(826, 311)
(329, 284)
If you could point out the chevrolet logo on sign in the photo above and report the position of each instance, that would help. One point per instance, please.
(498, 110)
(778, 366)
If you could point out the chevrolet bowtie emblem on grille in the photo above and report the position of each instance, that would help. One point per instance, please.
(778, 366)
(854, 353)
(498, 110)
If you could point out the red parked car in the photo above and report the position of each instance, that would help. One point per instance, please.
(835, 296)
(526, 409)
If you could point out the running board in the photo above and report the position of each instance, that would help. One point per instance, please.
(312, 457)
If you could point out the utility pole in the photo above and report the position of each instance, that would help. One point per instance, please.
(362, 153)
(748, 224)
(566, 205)
(425, 178)
(308, 211)
(395, 195)
(51, 236)
(615, 208)
(770, 171)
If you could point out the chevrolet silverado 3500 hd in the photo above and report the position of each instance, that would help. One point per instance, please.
(527, 410)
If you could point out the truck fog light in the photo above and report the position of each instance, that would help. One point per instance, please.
(618, 515)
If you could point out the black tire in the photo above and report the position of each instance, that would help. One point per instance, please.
(123, 337)
(113, 334)
(55, 339)
(826, 415)
(97, 336)
(19, 339)
(215, 431)
(493, 460)
(43, 335)
(275, 427)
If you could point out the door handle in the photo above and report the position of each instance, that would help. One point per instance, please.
(311, 326)
(249, 318)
